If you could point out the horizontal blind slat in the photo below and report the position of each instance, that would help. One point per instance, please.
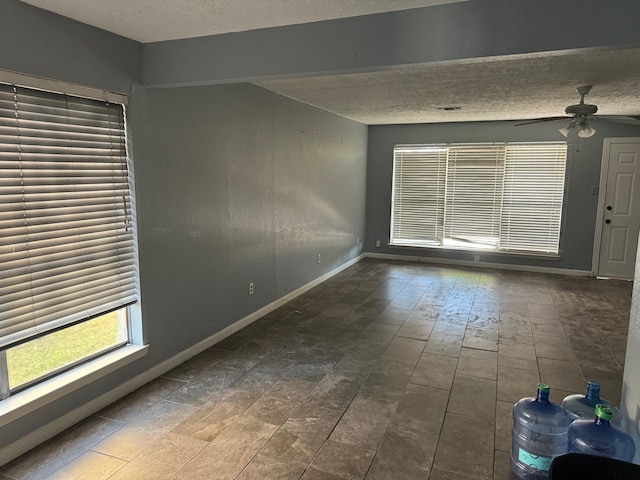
(501, 196)
(66, 247)
(418, 194)
(533, 198)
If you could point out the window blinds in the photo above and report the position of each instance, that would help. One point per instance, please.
(533, 197)
(501, 196)
(66, 241)
(417, 215)
(474, 191)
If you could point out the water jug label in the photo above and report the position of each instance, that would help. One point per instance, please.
(535, 461)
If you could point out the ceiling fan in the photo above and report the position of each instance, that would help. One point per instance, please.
(580, 114)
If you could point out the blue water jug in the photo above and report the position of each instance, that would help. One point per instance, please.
(582, 406)
(599, 437)
(539, 434)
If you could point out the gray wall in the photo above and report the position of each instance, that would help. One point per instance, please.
(580, 207)
(234, 184)
(39, 43)
(631, 381)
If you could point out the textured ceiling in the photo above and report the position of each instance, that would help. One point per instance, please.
(157, 20)
(503, 88)
(513, 88)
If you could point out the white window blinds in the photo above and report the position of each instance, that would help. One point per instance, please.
(474, 180)
(503, 197)
(66, 241)
(533, 197)
(419, 180)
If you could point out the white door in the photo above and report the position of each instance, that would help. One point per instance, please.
(619, 208)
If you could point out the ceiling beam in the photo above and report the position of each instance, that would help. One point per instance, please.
(441, 33)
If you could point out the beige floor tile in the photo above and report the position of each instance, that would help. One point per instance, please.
(209, 382)
(198, 366)
(155, 422)
(517, 350)
(49, 457)
(343, 460)
(127, 443)
(280, 401)
(558, 348)
(315, 474)
(504, 424)
(262, 468)
(162, 459)
(404, 350)
(302, 435)
(466, 446)
(546, 326)
(502, 467)
(515, 362)
(515, 383)
(367, 418)
(389, 369)
(440, 474)
(478, 363)
(561, 375)
(473, 396)
(416, 330)
(421, 409)
(91, 465)
(403, 454)
(136, 403)
(230, 452)
(543, 310)
(210, 420)
(442, 343)
(481, 339)
(334, 391)
(435, 371)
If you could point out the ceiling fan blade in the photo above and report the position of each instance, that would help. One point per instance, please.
(631, 120)
(540, 120)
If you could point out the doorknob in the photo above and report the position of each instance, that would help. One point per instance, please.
(607, 221)
(609, 207)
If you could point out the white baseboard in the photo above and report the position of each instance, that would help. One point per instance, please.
(45, 432)
(467, 263)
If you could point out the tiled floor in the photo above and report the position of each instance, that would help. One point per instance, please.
(389, 370)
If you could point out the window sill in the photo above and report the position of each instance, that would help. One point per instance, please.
(42, 394)
(476, 251)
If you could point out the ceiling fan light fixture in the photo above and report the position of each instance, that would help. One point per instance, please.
(566, 130)
(586, 131)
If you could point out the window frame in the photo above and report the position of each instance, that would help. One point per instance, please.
(443, 243)
(27, 397)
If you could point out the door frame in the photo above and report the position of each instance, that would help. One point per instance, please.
(602, 190)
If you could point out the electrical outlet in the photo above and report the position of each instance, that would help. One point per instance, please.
(319, 259)
(251, 288)
(358, 241)
(378, 243)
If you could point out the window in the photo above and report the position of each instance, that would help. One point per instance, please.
(67, 246)
(496, 197)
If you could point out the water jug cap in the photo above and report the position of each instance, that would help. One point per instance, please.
(604, 411)
(544, 387)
